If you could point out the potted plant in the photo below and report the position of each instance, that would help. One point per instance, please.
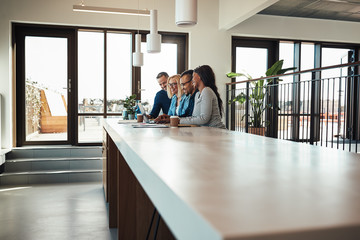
(257, 97)
(129, 105)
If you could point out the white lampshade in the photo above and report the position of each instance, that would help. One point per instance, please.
(185, 12)
(153, 40)
(138, 56)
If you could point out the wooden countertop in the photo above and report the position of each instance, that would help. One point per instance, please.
(210, 183)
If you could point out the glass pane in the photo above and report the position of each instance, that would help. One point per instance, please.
(285, 90)
(90, 129)
(165, 61)
(307, 62)
(46, 88)
(252, 61)
(90, 72)
(307, 59)
(334, 56)
(118, 70)
(333, 94)
(287, 54)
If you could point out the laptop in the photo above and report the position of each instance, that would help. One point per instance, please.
(143, 112)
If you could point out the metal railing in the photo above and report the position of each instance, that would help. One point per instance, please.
(317, 106)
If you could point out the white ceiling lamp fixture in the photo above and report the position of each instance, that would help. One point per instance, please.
(185, 12)
(153, 39)
(138, 56)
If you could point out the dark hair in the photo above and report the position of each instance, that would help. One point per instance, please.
(162, 74)
(187, 72)
(207, 76)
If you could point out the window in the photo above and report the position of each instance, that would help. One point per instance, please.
(165, 61)
(119, 74)
(297, 95)
(106, 75)
(90, 71)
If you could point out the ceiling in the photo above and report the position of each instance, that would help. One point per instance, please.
(342, 10)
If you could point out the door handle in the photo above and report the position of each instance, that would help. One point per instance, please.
(140, 89)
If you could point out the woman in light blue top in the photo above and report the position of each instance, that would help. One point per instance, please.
(174, 93)
(208, 104)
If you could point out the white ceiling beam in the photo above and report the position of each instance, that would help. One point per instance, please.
(233, 12)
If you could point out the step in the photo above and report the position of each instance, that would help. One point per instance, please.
(3, 153)
(43, 177)
(38, 164)
(54, 151)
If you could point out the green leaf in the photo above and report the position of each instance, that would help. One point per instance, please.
(234, 75)
(282, 71)
(274, 69)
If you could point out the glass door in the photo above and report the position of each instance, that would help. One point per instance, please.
(251, 58)
(46, 86)
(43, 85)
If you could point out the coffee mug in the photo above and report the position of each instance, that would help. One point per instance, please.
(174, 121)
(140, 117)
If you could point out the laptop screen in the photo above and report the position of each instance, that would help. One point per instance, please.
(143, 112)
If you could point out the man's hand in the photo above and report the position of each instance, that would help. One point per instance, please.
(162, 119)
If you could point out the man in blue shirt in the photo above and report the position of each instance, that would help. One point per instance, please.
(186, 105)
(161, 101)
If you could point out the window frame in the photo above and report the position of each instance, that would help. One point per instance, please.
(167, 37)
(318, 45)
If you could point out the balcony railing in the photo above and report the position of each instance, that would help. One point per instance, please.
(317, 106)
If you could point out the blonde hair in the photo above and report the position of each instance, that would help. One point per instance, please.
(177, 79)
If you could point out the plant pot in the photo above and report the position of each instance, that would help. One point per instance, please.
(131, 116)
(257, 131)
(125, 115)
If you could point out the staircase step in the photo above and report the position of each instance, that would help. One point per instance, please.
(52, 164)
(40, 177)
(31, 164)
(53, 159)
(54, 151)
(50, 172)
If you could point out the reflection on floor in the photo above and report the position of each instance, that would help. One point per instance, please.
(54, 211)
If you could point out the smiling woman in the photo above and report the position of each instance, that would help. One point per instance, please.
(208, 107)
(175, 93)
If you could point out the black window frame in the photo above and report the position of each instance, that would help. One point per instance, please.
(18, 51)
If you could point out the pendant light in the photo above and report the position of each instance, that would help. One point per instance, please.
(138, 56)
(93, 9)
(185, 12)
(153, 39)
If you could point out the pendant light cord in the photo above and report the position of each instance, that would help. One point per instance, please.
(138, 16)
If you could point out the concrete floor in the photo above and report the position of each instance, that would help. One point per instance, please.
(54, 211)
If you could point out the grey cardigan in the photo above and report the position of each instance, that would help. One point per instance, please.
(206, 110)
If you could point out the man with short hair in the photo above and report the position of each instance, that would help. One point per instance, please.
(186, 105)
(161, 101)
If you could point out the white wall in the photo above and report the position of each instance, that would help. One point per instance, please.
(233, 12)
(207, 44)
